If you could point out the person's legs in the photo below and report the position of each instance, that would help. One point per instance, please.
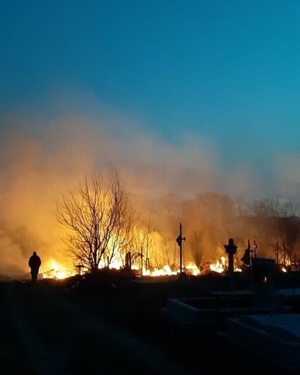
(34, 276)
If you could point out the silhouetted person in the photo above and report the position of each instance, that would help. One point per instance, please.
(34, 263)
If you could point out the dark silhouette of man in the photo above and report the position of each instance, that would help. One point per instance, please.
(34, 263)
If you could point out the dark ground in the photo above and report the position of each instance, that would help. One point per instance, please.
(105, 326)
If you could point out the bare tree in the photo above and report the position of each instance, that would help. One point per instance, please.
(272, 208)
(142, 243)
(196, 247)
(97, 219)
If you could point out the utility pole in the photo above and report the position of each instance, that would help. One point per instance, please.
(179, 240)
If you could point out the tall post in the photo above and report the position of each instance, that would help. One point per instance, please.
(230, 249)
(180, 249)
(179, 240)
(142, 263)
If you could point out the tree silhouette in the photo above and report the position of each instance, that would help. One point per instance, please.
(98, 220)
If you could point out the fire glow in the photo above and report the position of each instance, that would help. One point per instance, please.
(55, 270)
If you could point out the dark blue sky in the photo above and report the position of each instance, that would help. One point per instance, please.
(225, 74)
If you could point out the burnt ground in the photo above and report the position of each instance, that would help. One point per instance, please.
(106, 326)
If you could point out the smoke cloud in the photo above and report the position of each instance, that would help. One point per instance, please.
(40, 158)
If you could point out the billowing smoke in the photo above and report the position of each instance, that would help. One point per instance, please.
(41, 158)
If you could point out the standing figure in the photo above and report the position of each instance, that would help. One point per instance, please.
(34, 263)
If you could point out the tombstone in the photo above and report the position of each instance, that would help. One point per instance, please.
(263, 274)
(230, 249)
